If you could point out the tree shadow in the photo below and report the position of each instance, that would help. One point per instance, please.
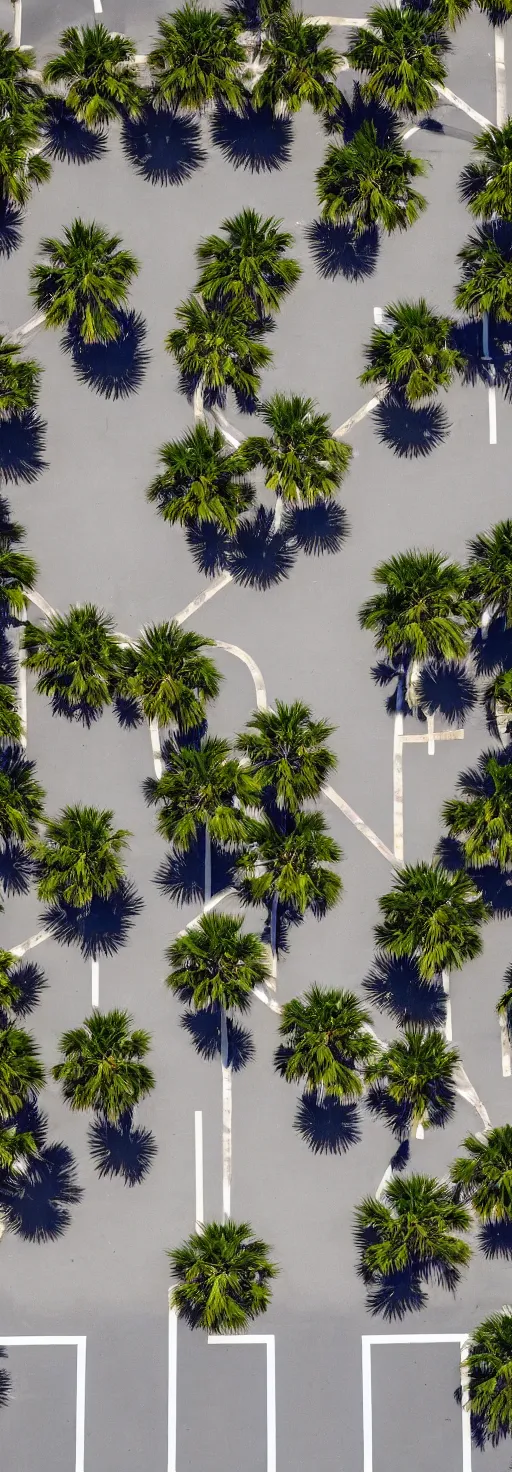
(397, 1295)
(495, 651)
(164, 147)
(121, 1149)
(209, 546)
(352, 113)
(338, 250)
(447, 688)
(32, 982)
(495, 1239)
(204, 1029)
(181, 875)
(410, 431)
(22, 442)
(77, 712)
(35, 1203)
(395, 986)
(399, 1117)
(317, 529)
(328, 1126)
(114, 369)
(5, 1380)
(259, 557)
(127, 712)
(67, 139)
(101, 929)
(10, 227)
(495, 885)
(16, 868)
(255, 139)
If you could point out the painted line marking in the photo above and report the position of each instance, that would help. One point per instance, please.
(362, 827)
(378, 316)
(431, 747)
(445, 977)
(505, 1047)
(228, 1340)
(477, 117)
(98, 8)
(198, 1145)
(172, 1388)
(465, 1088)
(28, 945)
(79, 1342)
(367, 1340)
(493, 427)
(360, 414)
(202, 598)
(501, 81)
(415, 740)
(398, 788)
(95, 983)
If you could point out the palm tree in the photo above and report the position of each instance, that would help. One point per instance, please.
(214, 964)
(287, 752)
(401, 53)
(302, 460)
(17, 85)
(85, 281)
(170, 677)
(482, 818)
(202, 788)
(248, 265)
(488, 1367)
(102, 1064)
(414, 1227)
(297, 67)
(80, 856)
(486, 183)
(19, 380)
(413, 352)
(223, 1275)
(483, 1177)
(98, 70)
(11, 728)
(486, 275)
(497, 698)
(290, 867)
(434, 916)
(21, 796)
(21, 1071)
(15, 1146)
(22, 163)
(422, 612)
(18, 575)
(490, 572)
(326, 1043)
(10, 989)
(75, 657)
(201, 481)
(368, 182)
(198, 60)
(219, 346)
(417, 1072)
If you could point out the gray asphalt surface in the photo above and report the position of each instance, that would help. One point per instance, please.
(95, 537)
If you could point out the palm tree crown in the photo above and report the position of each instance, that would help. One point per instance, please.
(99, 71)
(81, 856)
(423, 610)
(218, 346)
(201, 481)
(486, 182)
(215, 964)
(202, 787)
(368, 182)
(222, 1275)
(433, 915)
(11, 728)
(85, 281)
(170, 677)
(21, 796)
(17, 86)
(75, 657)
(484, 1175)
(413, 1225)
(19, 379)
(21, 1071)
(10, 989)
(417, 1072)
(22, 162)
(298, 68)
(490, 570)
(482, 817)
(101, 1067)
(18, 574)
(486, 275)
(413, 353)
(302, 460)
(286, 749)
(15, 1146)
(401, 53)
(488, 1366)
(326, 1042)
(199, 59)
(291, 865)
(249, 263)
(497, 698)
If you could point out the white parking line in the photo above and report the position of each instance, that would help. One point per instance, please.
(391, 1339)
(98, 8)
(172, 1387)
(505, 1047)
(95, 983)
(501, 82)
(198, 1142)
(229, 1340)
(493, 428)
(45, 1341)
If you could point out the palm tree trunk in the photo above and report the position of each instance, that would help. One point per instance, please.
(156, 748)
(273, 940)
(413, 681)
(227, 1110)
(207, 865)
(485, 621)
(278, 516)
(95, 982)
(199, 402)
(16, 24)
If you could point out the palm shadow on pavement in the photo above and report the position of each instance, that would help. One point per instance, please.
(410, 431)
(395, 986)
(67, 139)
(79, 712)
(495, 651)
(31, 981)
(181, 875)
(35, 1203)
(352, 112)
(328, 1126)
(399, 1117)
(101, 929)
(22, 445)
(317, 529)
(115, 369)
(255, 139)
(495, 1239)
(209, 547)
(16, 868)
(162, 146)
(259, 557)
(5, 1380)
(121, 1149)
(10, 227)
(446, 688)
(203, 1027)
(338, 250)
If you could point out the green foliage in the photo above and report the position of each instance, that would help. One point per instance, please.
(81, 856)
(170, 677)
(417, 1071)
(11, 729)
(223, 1275)
(20, 166)
(486, 183)
(413, 353)
(482, 818)
(21, 796)
(483, 1177)
(412, 1226)
(486, 276)
(15, 1146)
(75, 657)
(490, 570)
(497, 698)
(248, 264)
(423, 611)
(488, 1366)
(504, 1005)
(16, 86)
(18, 574)
(434, 916)
(10, 989)
(219, 346)
(19, 379)
(199, 59)
(101, 1066)
(99, 72)
(291, 865)
(198, 790)
(302, 460)
(201, 481)
(215, 964)
(85, 281)
(402, 56)
(326, 1043)
(369, 182)
(287, 752)
(297, 67)
(21, 1071)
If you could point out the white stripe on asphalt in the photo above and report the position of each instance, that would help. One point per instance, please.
(172, 1387)
(95, 983)
(493, 427)
(458, 102)
(98, 8)
(228, 1341)
(398, 788)
(22, 680)
(505, 1047)
(501, 81)
(198, 1142)
(204, 597)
